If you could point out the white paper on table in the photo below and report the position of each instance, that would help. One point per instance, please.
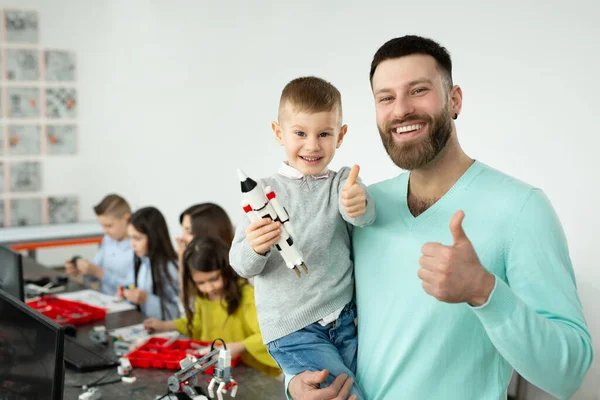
(137, 332)
(111, 303)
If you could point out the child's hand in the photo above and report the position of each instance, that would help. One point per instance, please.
(154, 325)
(354, 198)
(262, 234)
(85, 267)
(71, 269)
(136, 296)
(180, 246)
(235, 349)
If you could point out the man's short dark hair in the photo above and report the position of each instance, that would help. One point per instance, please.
(411, 44)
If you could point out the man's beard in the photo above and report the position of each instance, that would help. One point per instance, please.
(419, 151)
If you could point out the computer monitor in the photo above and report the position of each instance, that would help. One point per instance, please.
(31, 353)
(11, 272)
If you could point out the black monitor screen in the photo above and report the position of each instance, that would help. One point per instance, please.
(31, 353)
(11, 272)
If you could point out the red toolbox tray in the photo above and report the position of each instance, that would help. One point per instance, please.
(154, 353)
(67, 311)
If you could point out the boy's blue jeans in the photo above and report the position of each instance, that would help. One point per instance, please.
(314, 348)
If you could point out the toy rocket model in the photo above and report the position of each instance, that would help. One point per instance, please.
(259, 203)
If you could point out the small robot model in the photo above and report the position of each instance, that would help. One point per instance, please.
(184, 381)
(222, 377)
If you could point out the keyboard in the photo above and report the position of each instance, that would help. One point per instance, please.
(82, 359)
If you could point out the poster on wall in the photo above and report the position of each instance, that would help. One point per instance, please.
(61, 139)
(22, 65)
(24, 139)
(60, 65)
(24, 212)
(25, 176)
(23, 102)
(38, 111)
(62, 210)
(21, 26)
(61, 103)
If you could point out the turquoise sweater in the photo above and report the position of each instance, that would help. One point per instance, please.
(412, 346)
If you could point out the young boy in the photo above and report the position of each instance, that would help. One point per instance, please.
(113, 264)
(308, 322)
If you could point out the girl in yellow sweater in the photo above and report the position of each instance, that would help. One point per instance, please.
(224, 305)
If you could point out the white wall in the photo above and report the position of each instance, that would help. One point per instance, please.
(174, 96)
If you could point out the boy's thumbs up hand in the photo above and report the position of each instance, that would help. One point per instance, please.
(351, 181)
(354, 198)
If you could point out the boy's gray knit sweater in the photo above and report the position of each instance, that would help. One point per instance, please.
(284, 302)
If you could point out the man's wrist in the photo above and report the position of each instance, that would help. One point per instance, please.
(483, 289)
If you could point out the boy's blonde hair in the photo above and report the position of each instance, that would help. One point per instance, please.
(113, 205)
(311, 95)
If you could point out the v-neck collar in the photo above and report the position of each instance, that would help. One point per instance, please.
(412, 221)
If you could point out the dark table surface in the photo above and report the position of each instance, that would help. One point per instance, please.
(150, 383)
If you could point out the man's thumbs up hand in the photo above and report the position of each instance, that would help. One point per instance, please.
(453, 274)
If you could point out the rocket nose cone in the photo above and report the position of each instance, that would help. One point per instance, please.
(241, 175)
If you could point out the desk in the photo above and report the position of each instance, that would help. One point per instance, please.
(150, 383)
(32, 269)
(31, 238)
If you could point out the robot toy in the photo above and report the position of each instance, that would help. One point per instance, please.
(184, 381)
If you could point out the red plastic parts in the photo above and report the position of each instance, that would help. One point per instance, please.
(154, 354)
(67, 311)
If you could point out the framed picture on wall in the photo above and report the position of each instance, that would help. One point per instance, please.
(63, 210)
(61, 139)
(22, 65)
(59, 66)
(24, 139)
(61, 103)
(21, 26)
(26, 211)
(25, 176)
(23, 102)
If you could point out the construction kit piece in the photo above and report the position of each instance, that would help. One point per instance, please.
(125, 368)
(184, 381)
(92, 393)
(99, 335)
(263, 203)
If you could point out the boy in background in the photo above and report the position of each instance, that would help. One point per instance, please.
(113, 264)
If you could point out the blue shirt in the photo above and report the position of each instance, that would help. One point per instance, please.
(152, 306)
(412, 346)
(116, 259)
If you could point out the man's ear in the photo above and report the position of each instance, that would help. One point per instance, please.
(456, 98)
